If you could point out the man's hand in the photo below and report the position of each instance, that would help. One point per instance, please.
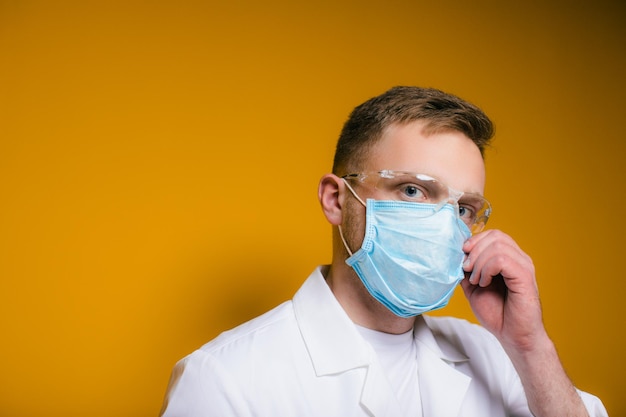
(502, 291)
(501, 288)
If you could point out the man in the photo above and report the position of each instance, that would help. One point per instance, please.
(405, 200)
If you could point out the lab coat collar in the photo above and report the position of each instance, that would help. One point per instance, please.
(331, 338)
(442, 387)
(427, 334)
(335, 346)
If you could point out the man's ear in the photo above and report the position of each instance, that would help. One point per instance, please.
(331, 192)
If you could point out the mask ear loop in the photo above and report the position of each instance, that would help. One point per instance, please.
(353, 192)
(343, 239)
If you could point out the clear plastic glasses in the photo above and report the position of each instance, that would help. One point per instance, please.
(473, 209)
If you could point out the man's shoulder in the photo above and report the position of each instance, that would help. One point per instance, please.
(263, 328)
(452, 325)
(461, 333)
(262, 340)
(268, 343)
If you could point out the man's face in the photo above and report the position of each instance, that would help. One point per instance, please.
(451, 157)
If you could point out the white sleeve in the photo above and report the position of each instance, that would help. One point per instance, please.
(201, 387)
(594, 405)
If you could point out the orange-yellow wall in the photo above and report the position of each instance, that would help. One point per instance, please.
(159, 164)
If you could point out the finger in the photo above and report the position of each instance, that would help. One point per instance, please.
(475, 245)
(487, 238)
(469, 244)
(492, 240)
(492, 268)
(515, 268)
(490, 258)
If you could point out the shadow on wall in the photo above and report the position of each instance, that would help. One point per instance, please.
(228, 292)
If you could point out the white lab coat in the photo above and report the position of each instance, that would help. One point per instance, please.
(306, 358)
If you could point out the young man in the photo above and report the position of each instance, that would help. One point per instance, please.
(406, 203)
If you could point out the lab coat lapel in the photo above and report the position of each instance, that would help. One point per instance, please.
(378, 397)
(335, 346)
(442, 387)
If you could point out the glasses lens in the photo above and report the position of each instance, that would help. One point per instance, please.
(405, 186)
(474, 209)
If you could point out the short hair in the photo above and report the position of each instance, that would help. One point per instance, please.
(438, 110)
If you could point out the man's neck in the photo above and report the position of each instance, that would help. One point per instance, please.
(361, 307)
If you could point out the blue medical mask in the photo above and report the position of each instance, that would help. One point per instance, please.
(409, 261)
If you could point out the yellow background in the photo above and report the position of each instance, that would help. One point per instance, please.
(159, 163)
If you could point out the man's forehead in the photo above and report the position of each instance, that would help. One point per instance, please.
(449, 155)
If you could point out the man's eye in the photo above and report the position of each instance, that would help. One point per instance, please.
(466, 212)
(412, 191)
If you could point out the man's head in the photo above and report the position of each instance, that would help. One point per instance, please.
(437, 111)
(425, 132)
